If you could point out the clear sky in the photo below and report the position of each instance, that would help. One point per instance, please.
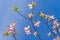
(8, 16)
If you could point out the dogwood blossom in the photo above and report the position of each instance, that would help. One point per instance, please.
(57, 38)
(49, 17)
(41, 14)
(46, 16)
(32, 5)
(27, 30)
(35, 33)
(55, 24)
(10, 29)
(30, 15)
(49, 34)
(52, 17)
(55, 31)
(37, 24)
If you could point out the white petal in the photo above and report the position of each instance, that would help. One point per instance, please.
(30, 5)
(53, 17)
(49, 34)
(27, 28)
(11, 27)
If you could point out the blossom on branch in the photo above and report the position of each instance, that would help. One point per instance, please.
(55, 24)
(37, 24)
(49, 34)
(30, 15)
(27, 30)
(41, 14)
(35, 33)
(55, 31)
(11, 29)
(57, 38)
(48, 17)
(32, 5)
(52, 17)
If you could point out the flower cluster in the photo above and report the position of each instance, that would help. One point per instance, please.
(27, 29)
(48, 18)
(11, 29)
(54, 23)
(57, 38)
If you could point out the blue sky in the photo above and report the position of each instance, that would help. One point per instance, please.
(8, 16)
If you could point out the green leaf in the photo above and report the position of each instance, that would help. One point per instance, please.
(15, 8)
(6, 34)
(33, 4)
(41, 15)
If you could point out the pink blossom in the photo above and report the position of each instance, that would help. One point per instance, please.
(27, 30)
(11, 27)
(30, 15)
(55, 24)
(57, 38)
(37, 23)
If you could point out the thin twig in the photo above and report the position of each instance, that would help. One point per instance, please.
(22, 15)
(55, 29)
(33, 25)
(49, 28)
(30, 20)
(14, 34)
(35, 30)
